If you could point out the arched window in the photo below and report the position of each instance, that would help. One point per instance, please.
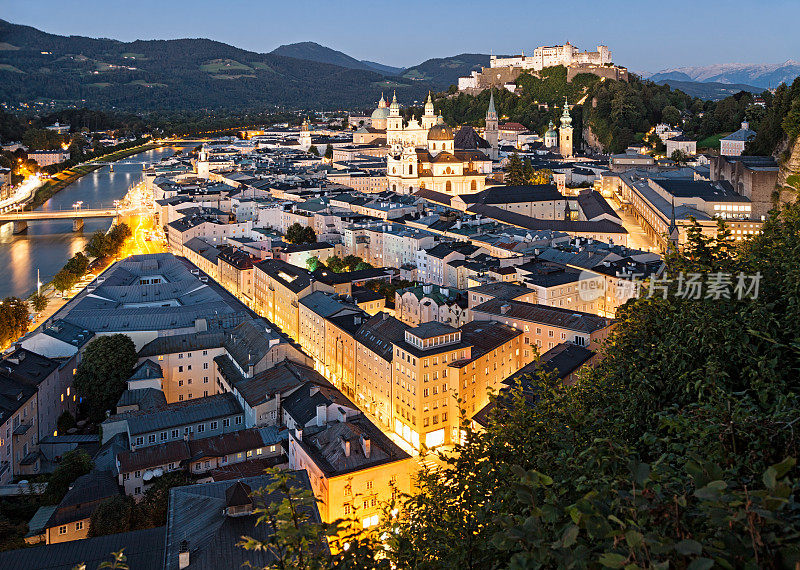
(473, 186)
(411, 169)
(422, 186)
(394, 187)
(394, 170)
(434, 146)
(448, 187)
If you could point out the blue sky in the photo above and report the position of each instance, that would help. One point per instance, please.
(644, 35)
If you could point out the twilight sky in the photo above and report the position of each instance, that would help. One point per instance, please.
(644, 35)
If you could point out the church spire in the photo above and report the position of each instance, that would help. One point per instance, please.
(491, 110)
(566, 119)
(672, 225)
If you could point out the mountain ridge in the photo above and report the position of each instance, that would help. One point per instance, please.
(763, 75)
(312, 51)
(190, 74)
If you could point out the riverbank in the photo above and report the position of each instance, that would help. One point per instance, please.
(66, 177)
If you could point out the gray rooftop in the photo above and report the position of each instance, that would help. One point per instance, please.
(179, 414)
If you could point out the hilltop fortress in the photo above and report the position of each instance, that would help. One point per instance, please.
(505, 70)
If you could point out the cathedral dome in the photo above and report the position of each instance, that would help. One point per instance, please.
(440, 131)
(380, 113)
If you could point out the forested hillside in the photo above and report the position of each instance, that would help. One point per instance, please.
(186, 74)
(617, 113)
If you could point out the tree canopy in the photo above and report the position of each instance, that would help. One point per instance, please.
(101, 376)
(73, 464)
(298, 233)
(13, 320)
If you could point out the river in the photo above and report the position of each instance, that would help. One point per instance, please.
(47, 245)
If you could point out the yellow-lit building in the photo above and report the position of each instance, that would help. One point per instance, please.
(277, 289)
(354, 468)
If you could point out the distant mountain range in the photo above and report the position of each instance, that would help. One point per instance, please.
(441, 72)
(763, 75)
(313, 51)
(201, 74)
(709, 91)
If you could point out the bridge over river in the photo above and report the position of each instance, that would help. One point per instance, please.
(77, 215)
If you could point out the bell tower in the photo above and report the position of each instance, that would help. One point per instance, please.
(565, 133)
(492, 131)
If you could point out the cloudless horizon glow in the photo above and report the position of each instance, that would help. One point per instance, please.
(643, 36)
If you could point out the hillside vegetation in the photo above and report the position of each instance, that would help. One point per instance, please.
(187, 74)
(618, 113)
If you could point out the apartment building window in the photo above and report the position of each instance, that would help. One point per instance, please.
(205, 393)
(180, 355)
(205, 379)
(137, 474)
(425, 393)
(180, 397)
(201, 428)
(205, 366)
(163, 436)
(435, 419)
(137, 491)
(238, 420)
(151, 438)
(369, 485)
(126, 476)
(214, 425)
(139, 440)
(79, 525)
(538, 330)
(425, 422)
(226, 422)
(550, 334)
(205, 353)
(444, 416)
(180, 368)
(346, 508)
(189, 367)
(62, 529)
(180, 382)
(190, 395)
(175, 433)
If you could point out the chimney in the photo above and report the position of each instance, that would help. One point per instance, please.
(342, 415)
(366, 446)
(345, 446)
(298, 433)
(505, 308)
(322, 415)
(183, 555)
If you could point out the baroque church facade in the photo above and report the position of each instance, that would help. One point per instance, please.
(424, 154)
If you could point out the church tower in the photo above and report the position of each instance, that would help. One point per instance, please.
(305, 136)
(394, 123)
(551, 136)
(202, 167)
(565, 132)
(673, 233)
(429, 118)
(492, 131)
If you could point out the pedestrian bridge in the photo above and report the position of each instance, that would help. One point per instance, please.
(21, 219)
